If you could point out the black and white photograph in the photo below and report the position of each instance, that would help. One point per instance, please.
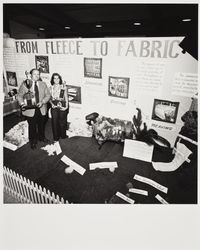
(100, 135)
(42, 63)
(93, 67)
(118, 86)
(5, 85)
(11, 78)
(165, 111)
(74, 94)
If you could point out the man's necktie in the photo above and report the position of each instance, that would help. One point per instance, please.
(36, 93)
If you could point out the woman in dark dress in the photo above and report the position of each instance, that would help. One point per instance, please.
(59, 107)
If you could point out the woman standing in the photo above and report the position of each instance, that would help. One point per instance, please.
(59, 107)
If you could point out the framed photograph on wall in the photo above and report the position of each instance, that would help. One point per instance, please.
(93, 67)
(42, 63)
(5, 85)
(118, 86)
(165, 111)
(11, 78)
(74, 94)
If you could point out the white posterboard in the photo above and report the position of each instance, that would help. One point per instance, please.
(138, 150)
(149, 73)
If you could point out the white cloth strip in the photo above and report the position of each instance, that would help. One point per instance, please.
(176, 150)
(73, 164)
(9, 145)
(58, 148)
(103, 165)
(151, 182)
(159, 198)
(125, 198)
(188, 139)
(138, 191)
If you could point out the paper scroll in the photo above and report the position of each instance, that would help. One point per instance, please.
(151, 182)
(159, 198)
(73, 165)
(125, 198)
(103, 165)
(138, 191)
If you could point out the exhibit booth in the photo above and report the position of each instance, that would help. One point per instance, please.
(113, 76)
(118, 78)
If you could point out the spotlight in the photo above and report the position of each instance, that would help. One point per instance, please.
(186, 20)
(42, 29)
(98, 26)
(67, 27)
(137, 23)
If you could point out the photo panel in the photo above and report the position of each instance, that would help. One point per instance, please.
(74, 94)
(93, 67)
(42, 63)
(165, 111)
(11, 78)
(118, 86)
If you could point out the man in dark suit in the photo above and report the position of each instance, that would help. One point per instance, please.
(35, 116)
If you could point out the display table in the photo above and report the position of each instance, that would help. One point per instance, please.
(98, 186)
(10, 106)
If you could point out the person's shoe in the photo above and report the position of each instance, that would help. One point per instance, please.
(34, 142)
(45, 140)
(33, 146)
(64, 137)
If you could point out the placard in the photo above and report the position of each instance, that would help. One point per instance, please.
(151, 182)
(138, 150)
(149, 77)
(125, 198)
(185, 84)
(73, 165)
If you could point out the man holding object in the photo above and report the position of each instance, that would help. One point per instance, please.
(33, 96)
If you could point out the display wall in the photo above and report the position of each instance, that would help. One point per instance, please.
(113, 76)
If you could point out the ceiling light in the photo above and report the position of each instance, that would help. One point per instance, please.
(98, 26)
(137, 23)
(67, 27)
(186, 20)
(42, 29)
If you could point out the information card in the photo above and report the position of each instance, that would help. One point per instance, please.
(138, 150)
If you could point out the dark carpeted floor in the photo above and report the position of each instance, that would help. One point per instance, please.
(98, 186)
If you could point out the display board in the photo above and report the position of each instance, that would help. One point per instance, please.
(113, 76)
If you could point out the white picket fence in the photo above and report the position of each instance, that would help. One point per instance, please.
(26, 191)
